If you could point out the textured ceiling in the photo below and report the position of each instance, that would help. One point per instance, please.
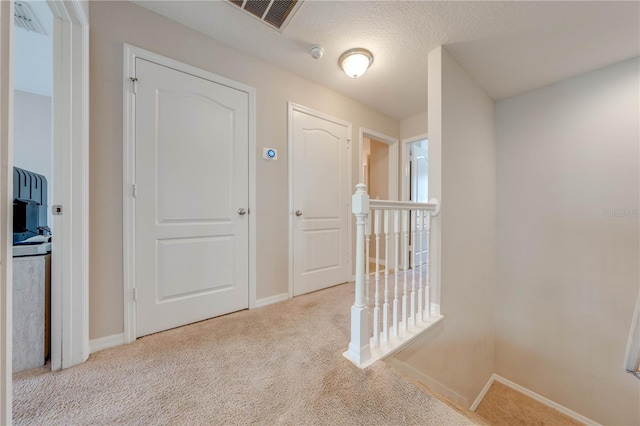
(508, 47)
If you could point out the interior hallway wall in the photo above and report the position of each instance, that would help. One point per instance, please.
(457, 357)
(379, 170)
(32, 137)
(413, 126)
(115, 23)
(378, 189)
(568, 249)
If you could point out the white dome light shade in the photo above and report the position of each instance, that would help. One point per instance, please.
(355, 62)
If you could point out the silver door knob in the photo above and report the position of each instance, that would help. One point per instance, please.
(242, 212)
(298, 212)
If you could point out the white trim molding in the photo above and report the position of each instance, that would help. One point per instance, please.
(632, 358)
(6, 213)
(70, 259)
(482, 393)
(271, 300)
(128, 169)
(531, 394)
(380, 261)
(106, 342)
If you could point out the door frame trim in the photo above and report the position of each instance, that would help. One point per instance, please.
(128, 179)
(70, 301)
(392, 143)
(405, 176)
(6, 214)
(291, 107)
(70, 257)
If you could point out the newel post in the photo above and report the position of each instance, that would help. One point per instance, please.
(359, 351)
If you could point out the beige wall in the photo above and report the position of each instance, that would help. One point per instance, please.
(378, 170)
(457, 357)
(115, 23)
(378, 188)
(568, 266)
(32, 143)
(32, 137)
(413, 126)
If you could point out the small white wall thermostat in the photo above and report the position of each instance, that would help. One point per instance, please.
(269, 154)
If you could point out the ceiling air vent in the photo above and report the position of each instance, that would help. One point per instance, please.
(276, 13)
(24, 17)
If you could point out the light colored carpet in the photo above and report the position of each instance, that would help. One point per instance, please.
(281, 364)
(503, 405)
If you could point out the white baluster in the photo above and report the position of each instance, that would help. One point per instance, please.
(385, 306)
(413, 271)
(427, 293)
(405, 245)
(420, 219)
(359, 351)
(396, 235)
(367, 276)
(396, 320)
(376, 309)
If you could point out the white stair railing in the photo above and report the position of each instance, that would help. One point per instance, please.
(411, 311)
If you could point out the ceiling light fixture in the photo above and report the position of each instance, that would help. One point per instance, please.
(355, 62)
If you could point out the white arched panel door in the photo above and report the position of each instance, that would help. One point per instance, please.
(320, 200)
(191, 222)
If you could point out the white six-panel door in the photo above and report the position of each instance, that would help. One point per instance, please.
(320, 200)
(191, 222)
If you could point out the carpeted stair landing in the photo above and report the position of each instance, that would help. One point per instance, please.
(281, 364)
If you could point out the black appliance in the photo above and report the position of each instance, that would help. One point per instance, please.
(29, 205)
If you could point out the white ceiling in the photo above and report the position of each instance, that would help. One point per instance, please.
(508, 47)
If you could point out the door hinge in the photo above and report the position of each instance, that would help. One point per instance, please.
(348, 143)
(56, 210)
(134, 190)
(135, 294)
(134, 84)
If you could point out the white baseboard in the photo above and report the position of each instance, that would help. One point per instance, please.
(427, 381)
(531, 394)
(380, 261)
(271, 299)
(106, 342)
(482, 393)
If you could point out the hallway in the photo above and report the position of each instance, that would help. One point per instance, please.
(280, 364)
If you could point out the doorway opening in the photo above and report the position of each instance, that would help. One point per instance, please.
(419, 171)
(415, 178)
(32, 184)
(69, 128)
(413, 175)
(379, 171)
(376, 168)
